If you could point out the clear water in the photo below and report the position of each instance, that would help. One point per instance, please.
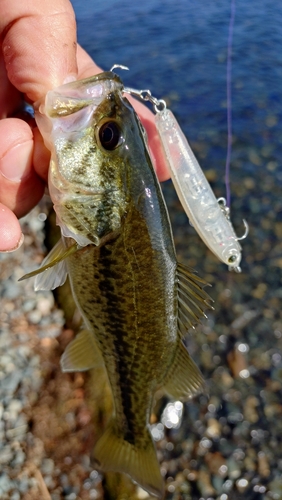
(178, 49)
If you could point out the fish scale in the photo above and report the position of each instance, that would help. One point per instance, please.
(119, 318)
(117, 248)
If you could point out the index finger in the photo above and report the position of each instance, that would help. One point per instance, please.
(38, 44)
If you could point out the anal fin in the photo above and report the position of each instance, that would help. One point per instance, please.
(82, 353)
(114, 453)
(184, 379)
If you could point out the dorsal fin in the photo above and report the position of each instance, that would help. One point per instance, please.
(192, 299)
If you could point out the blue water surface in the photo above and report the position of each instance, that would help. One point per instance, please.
(179, 51)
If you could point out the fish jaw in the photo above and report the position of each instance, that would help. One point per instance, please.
(69, 99)
(87, 190)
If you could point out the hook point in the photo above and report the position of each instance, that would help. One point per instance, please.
(246, 231)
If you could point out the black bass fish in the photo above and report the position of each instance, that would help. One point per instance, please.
(136, 301)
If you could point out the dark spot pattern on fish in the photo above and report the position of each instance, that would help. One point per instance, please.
(121, 329)
(125, 280)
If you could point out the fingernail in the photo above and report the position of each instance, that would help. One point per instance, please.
(19, 244)
(16, 164)
(70, 78)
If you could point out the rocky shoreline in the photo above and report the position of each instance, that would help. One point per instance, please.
(223, 445)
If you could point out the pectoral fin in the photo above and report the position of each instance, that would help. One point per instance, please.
(52, 278)
(184, 379)
(81, 354)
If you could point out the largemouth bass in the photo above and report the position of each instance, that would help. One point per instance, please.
(136, 301)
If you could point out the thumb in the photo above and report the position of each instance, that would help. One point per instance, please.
(38, 42)
(11, 234)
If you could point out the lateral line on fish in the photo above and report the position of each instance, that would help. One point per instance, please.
(134, 300)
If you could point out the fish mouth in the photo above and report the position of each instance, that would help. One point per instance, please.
(83, 88)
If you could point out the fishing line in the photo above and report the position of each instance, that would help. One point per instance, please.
(208, 215)
(229, 102)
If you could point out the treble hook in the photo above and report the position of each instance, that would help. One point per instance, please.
(226, 210)
(120, 66)
(246, 231)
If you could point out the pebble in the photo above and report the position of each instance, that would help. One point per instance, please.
(20, 370)
(28, 305)
(5, 483)
(24, 484)
(34, 317)
(14, 408)
(15, 495)
(6, 455)
(204, 483)
(240, 346)
(11, 382)
(233, 468)
(213, 428)
(45, 304)
(47, 466)
(250, 409)
(242, 485)
(19, 458)
(263, 465)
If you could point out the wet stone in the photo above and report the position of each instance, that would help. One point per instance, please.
(11, 382)
(5, 483)
(6, 455)
(47, 466)
(34, 316)
(15, 495)
(213, 428)
(29, 305)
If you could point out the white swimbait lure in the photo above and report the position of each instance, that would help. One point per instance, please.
(209, 216)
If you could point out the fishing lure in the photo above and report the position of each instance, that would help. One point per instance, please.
(209, 216)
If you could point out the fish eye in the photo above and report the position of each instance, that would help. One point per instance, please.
(110, 135)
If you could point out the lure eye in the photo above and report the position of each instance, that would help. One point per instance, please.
(232, 259)
(110, 135)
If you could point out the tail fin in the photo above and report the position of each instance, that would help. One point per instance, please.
(113, 453)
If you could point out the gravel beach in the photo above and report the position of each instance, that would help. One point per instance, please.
(223, 445)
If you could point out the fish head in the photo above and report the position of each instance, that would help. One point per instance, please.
(85, 124)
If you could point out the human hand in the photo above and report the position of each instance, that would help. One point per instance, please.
(39, 52)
